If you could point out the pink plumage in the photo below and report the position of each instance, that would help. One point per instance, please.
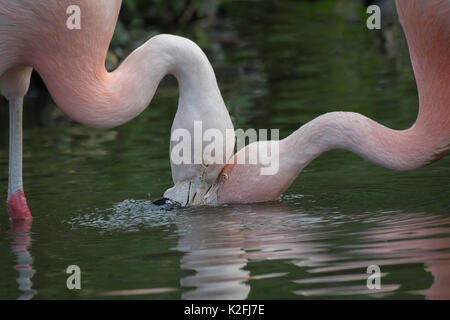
(427, 28)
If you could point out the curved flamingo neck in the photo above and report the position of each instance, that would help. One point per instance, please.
(92, 96)
(427, 29)
(426, 26)
(400, 150)
(79, 83)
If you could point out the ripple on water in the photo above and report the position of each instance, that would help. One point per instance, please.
(128, 215)
(320, 253)
(330, 251)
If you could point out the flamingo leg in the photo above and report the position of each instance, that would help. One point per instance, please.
(17, 203)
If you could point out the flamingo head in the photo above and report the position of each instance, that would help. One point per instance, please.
(199, 190)
(237, 182)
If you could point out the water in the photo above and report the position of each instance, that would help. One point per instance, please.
(90, 191)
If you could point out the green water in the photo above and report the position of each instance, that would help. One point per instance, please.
(89, 191)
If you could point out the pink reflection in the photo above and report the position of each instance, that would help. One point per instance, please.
(20, 245)
(219, 245)
(417, 239)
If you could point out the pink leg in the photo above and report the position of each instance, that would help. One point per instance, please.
(17, 203)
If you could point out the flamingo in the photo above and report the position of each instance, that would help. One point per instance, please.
(426, 24)
(71, 63)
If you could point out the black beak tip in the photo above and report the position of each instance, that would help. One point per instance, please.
(162, 201)
(166, 204)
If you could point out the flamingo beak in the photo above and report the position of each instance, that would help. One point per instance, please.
(192, 192)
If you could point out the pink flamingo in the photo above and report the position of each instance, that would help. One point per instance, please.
(34, 35)
(71, 62)
(426, 24)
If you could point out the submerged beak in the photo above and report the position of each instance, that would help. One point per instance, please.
(193, 192)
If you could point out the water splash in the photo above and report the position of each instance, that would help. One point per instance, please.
(126, 216)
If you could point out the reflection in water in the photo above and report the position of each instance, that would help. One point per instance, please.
(231, 252)
(218, 247)
(412, 237)
(20, 245)
(219, 274)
